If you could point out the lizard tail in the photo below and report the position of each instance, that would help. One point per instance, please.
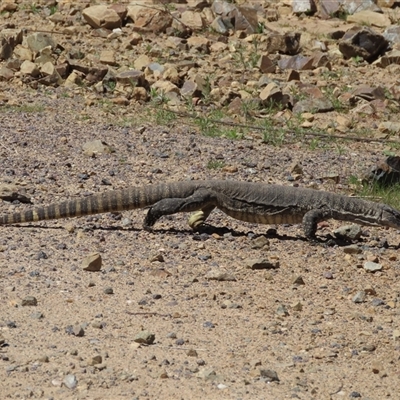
(110, 201)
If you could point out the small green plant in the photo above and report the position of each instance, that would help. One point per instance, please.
(337, 104)
(365, 23)
(34, 8)
(215, 164)
(106, 102)
(297, 94)
(206, 92)
(207, 126)
(388, 94)
(394, 146)
(332, 75)
(271, 135)
(110, 86)
(388, 194)
(294, 124)
(190, 107)
(239, 57)
(132, 83)
(376, 191)
(25, 108)
(249, 107)
(314, 144)
(353, 180)
(232, 133)
(357, 59)
(158, 97)
(260, 28)
(168, 7)
(254, 57)
(164, 117)
(340, 149)
(341, 14)
(250, 61)
(53, 9)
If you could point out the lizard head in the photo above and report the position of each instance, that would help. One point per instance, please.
(390, 217)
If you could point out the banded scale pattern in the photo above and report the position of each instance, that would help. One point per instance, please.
(111, 201)
(245, 201)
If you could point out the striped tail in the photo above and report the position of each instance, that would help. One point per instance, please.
(111, 201)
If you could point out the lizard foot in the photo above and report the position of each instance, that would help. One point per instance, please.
(147, 228)
(196, 219)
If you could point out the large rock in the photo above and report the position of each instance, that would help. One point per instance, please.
(39, 40)
(385, 172)
(192, 20)
(50, 75)
(370, 18)
(313, 105)
(132, 76)
(386, 3)
(149, 19)
(8, 5)
(245, 19)
(353, 6)
(218, 26)
(286, 43)
(189, 89)
(9, 38)
(102, 16)
(392, 34)
(223, 8)
(30, 68)
(239, 18)
(298, 62)
(141, 62)
(108, 57)
(266, 65)
(6, 74)
(272, 93)
(362, 42)
(368, 93)
(330, 8)
(11, 192)
(302, 63)
(392, 57)
(303, 6)
(199, 43)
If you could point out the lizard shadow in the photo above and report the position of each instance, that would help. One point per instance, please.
(205, 231)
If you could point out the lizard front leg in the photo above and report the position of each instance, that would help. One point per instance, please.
(201, 199)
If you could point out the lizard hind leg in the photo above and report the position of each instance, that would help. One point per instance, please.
(310, 222)
(198, 217)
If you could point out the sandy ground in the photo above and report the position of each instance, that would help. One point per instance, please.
(253, 334)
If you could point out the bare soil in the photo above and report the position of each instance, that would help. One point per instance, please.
(297, 331)
(213, 339)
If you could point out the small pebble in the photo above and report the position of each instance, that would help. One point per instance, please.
(70, 381)
(108, 290)
(359, 297)
(372, 266)
(29, 301)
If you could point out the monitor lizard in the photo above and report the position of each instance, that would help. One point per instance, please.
(251, 202)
